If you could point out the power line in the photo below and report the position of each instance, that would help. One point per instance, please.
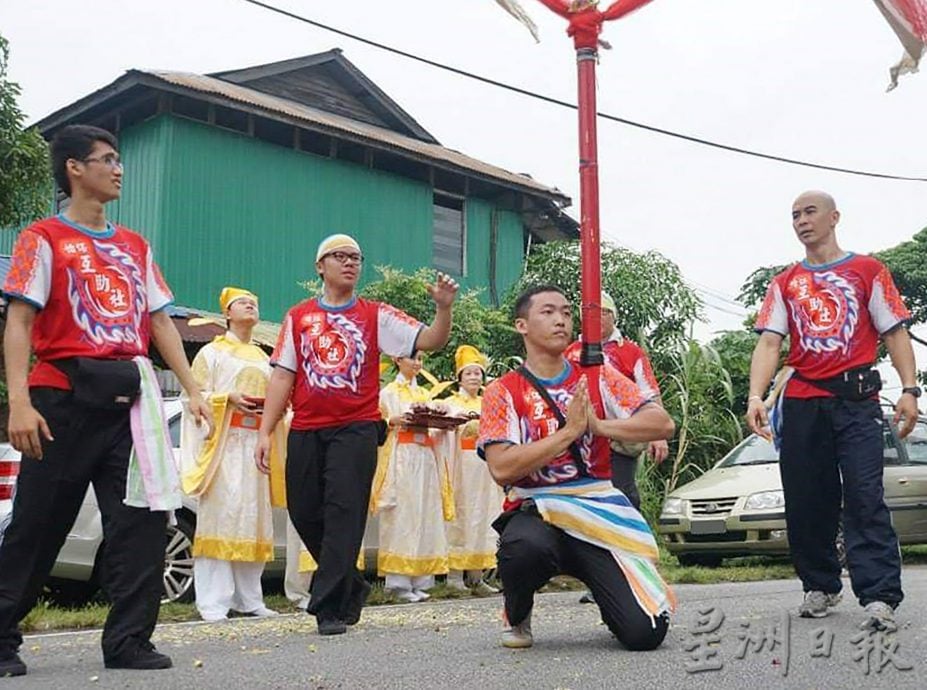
(572, 106)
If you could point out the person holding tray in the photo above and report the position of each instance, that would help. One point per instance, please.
(234, 526)
(411, 490)
(477, 498)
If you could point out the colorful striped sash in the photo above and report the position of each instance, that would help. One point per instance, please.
(596, 512)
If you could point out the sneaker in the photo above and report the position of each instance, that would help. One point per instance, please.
(262, 612)
(332, 626)
(353, 613)
(587, 598)
(517, 636)
(483, 589)
(11, 665)
(879, 616)
(421, 594)
(144, 657)
(816, 604)
(406, 595)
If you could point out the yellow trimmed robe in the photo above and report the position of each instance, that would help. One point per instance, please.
(477, 497)
(234, 520)
(411, 492)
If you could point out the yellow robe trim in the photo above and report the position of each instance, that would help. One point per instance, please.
(402, 565)
(472, 561)
(197, 479)
(229, 550)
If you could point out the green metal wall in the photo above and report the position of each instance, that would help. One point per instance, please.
(221, 208)
(509, 248)
(242, 211)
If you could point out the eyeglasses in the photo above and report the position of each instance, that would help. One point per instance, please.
(345, 257)
(109, 160)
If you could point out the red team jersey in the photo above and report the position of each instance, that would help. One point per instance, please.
(514, 413)
(94, 292)
(833, 314)
(627, 357)
(335, 354)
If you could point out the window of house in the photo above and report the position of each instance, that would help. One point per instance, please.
(449, 235)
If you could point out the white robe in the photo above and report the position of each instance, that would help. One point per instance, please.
(410, 493)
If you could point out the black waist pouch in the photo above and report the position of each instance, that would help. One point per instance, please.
(102, 384)
(855, 384)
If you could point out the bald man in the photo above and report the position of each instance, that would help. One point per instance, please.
(834, 307)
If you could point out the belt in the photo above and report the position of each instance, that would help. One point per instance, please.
(421, 438)
(468, 443)
(240, 420)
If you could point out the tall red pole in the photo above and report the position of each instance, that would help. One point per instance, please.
(590, 249)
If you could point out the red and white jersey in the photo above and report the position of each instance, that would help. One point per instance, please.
(627, 357)
(515, 413)
(833, 315)
(335, 354)
(94, 292)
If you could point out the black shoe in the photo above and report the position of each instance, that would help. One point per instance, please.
(11, 665)
(144, 657)
(353, 613)
(332, 626)
(587, 598)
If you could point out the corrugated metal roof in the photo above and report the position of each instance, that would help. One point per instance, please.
(330, 121)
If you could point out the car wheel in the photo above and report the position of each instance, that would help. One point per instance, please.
(178, 562)
(705, 561)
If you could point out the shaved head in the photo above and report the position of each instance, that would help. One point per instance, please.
(822, 200)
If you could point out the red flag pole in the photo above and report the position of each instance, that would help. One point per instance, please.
(590, 250)
(585, 26)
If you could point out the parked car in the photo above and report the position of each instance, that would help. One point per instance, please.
(76, 571)
(737, 507)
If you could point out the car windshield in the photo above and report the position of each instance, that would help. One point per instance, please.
(754, 451)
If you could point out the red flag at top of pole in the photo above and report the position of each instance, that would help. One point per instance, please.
(909, 20)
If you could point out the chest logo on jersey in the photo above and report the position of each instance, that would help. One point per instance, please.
(333, 351)
(825, 309)
(106, 291)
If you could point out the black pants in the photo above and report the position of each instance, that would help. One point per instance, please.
(532, 551)
(824, 441)
(624, 469)
(328, 477)
(89, 446)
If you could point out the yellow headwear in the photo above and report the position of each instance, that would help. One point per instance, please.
(467, 355)
(333, 242)
(230, 294)
(608, 303)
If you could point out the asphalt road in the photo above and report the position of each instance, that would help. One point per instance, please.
(454, 644)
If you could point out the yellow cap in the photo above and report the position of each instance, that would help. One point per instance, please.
(608, 303)
(230, 294)
(467, 355)
(333, 242)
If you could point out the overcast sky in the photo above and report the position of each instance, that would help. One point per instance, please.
(798, 78)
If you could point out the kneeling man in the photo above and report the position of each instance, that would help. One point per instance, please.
(546, 436)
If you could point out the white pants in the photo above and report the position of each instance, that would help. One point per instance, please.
(223, 586)
(406, 583)
(295, 583)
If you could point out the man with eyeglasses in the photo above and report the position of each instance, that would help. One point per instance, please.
(327, 364)
(87, 297)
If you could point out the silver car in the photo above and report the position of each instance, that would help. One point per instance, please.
(737, 508)
(76, 571)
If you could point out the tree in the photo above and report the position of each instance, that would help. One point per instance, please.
(654, 303)
(489, 330)
(24, 169)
